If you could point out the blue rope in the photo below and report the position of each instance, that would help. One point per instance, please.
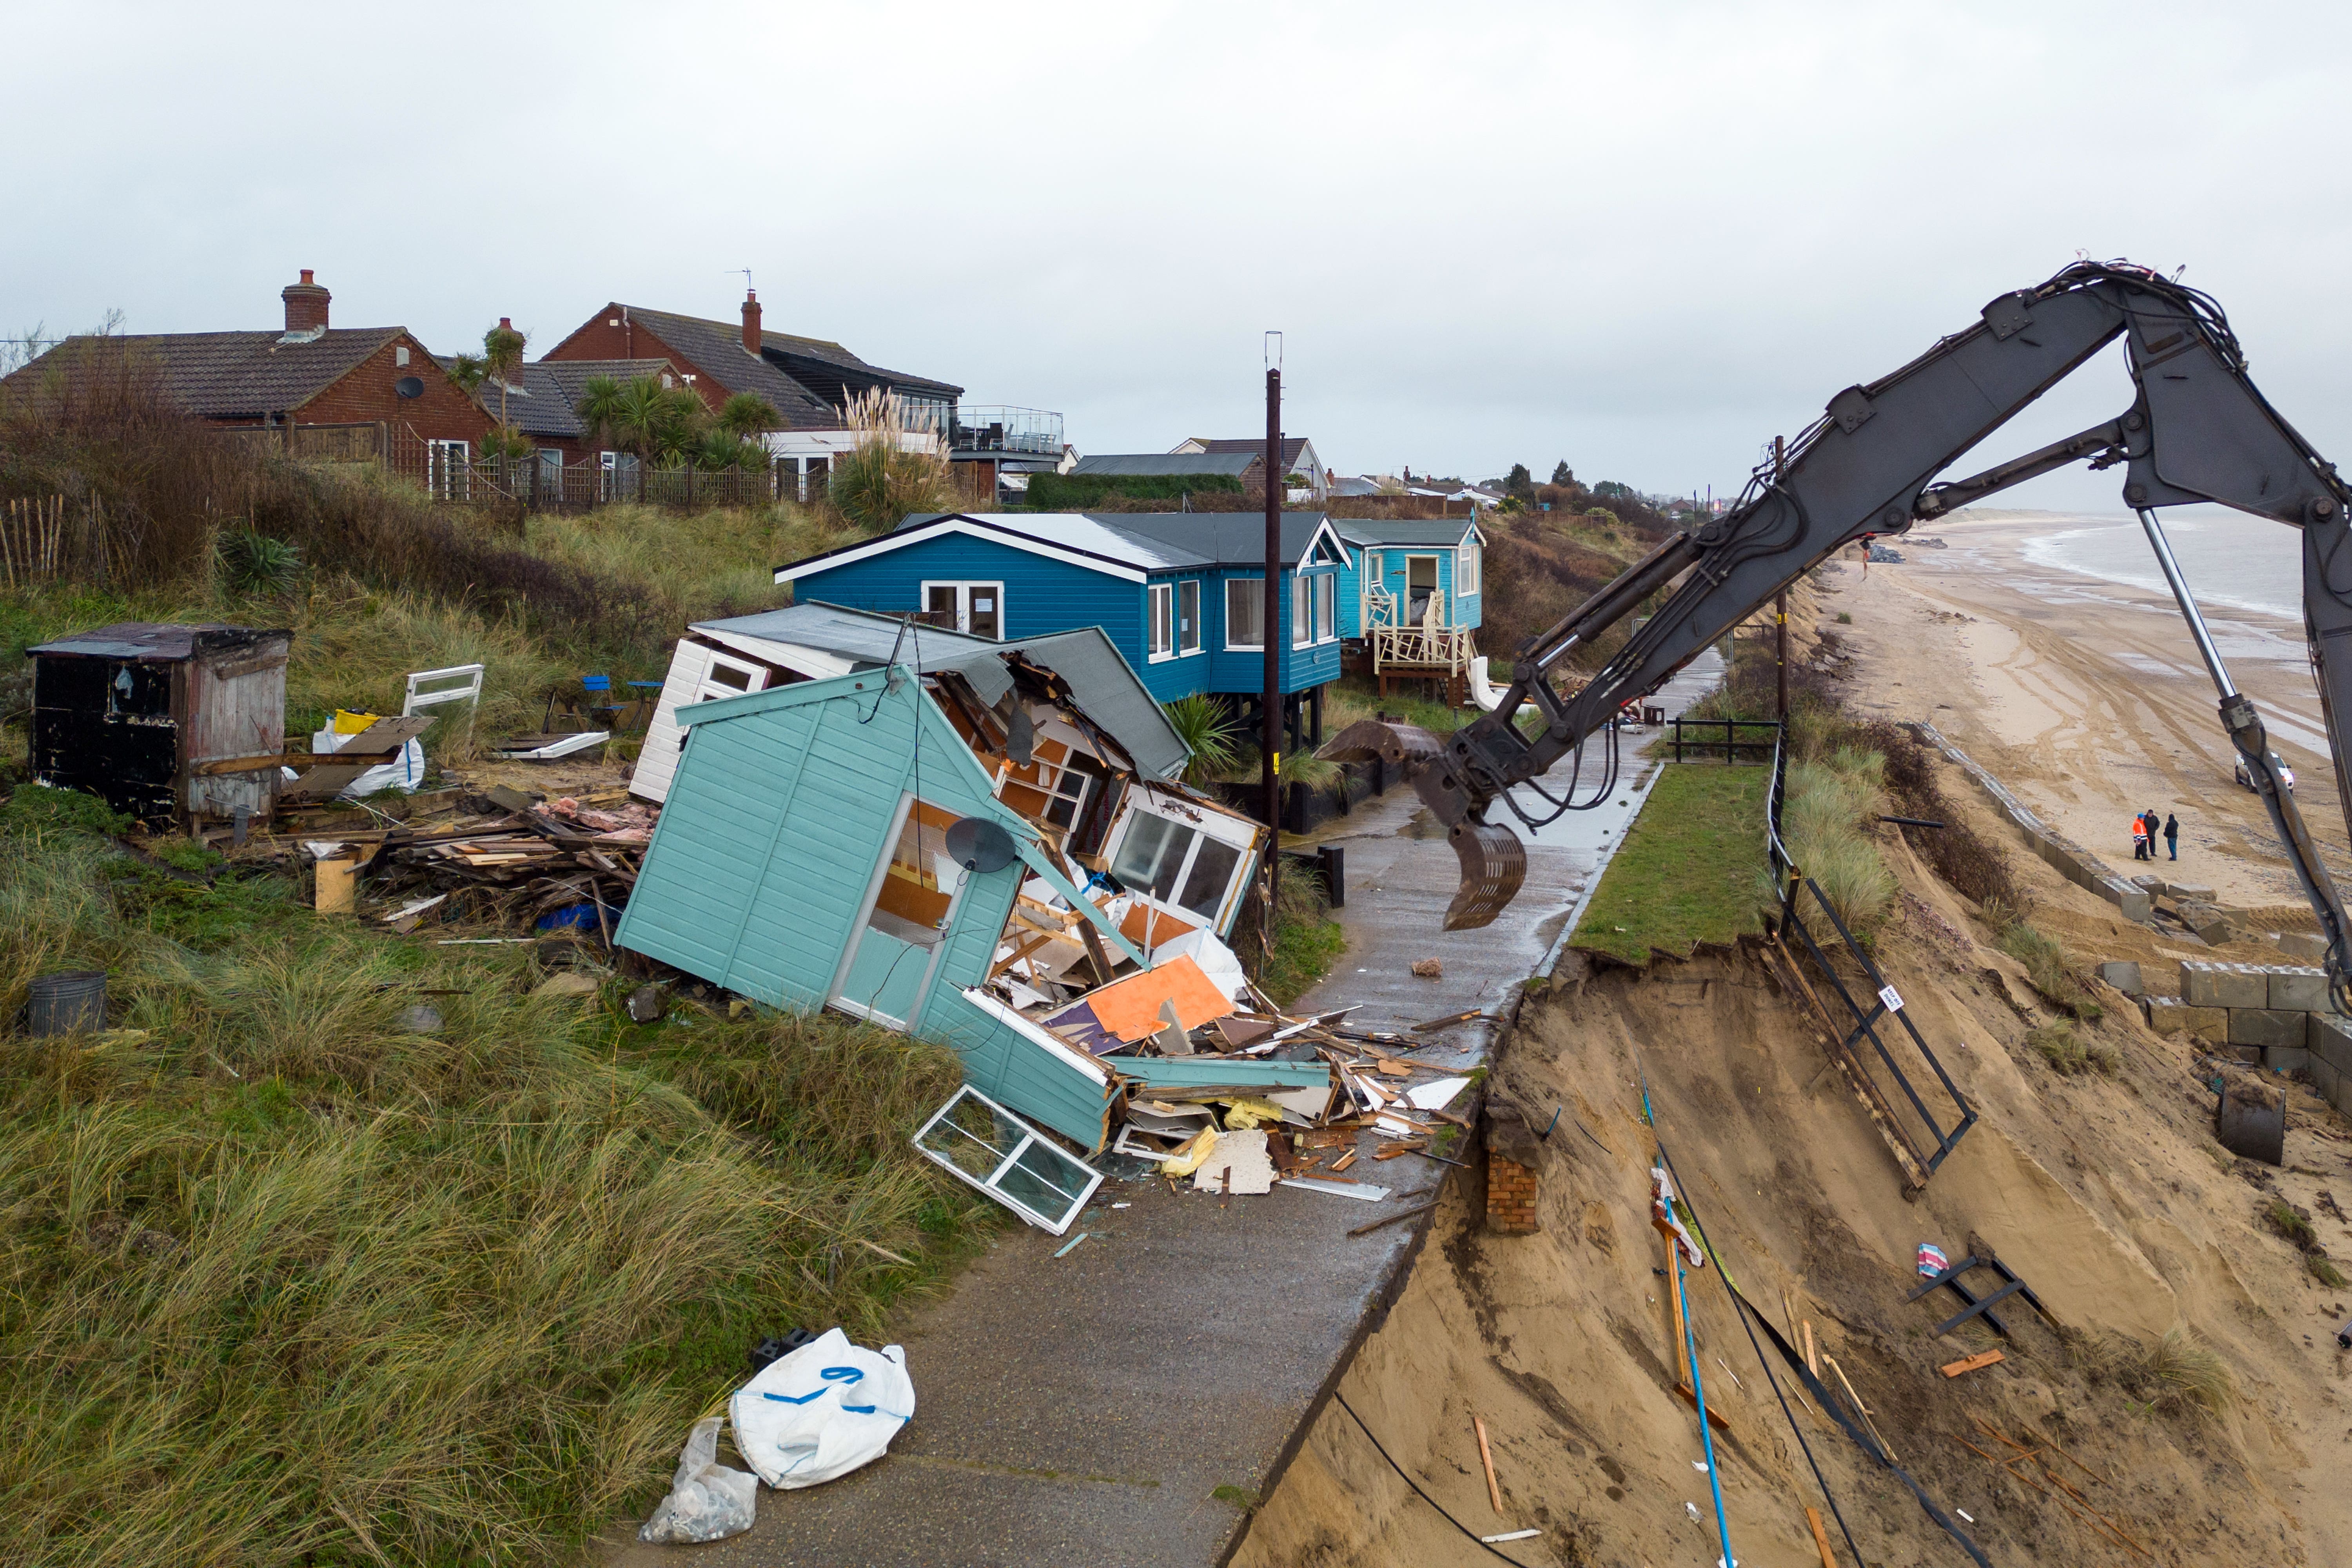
(1698, 1388)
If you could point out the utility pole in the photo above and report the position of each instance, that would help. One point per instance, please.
(1270, 738)
(1780, 607)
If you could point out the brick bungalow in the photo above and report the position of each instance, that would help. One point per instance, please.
(542, 401)
(808, 380)
(311, 374)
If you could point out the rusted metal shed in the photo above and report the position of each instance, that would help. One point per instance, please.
(133, 713)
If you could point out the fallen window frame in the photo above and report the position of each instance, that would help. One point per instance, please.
(1029, 1138)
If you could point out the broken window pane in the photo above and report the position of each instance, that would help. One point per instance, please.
(1151, 857)
(980, 1142)
(1213, 870)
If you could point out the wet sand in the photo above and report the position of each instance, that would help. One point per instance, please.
(2088, 697)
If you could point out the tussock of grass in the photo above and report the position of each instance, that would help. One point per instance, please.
(2174, 1375)
(2292, 1224)
(1306, 940)
(2045, 963)
(1823, 809)
(1354, 698)
(287, 1284)
(1688, 870)
(2326, 1273)
(2069, 1053)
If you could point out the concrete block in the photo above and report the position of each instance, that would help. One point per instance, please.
(2147, 884)
(2325, 1081)
(2204, 984)
(2164, 1014)
(2189, 891)
(2307, 946)
(2270, 1030)
(2285, 1058)
(2329, 1040)
(2123, 976)
(2250, 1055)
(2209, 923)
(2211, 1025)
(2299, 990)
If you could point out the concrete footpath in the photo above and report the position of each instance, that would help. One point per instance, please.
(1123, 1404)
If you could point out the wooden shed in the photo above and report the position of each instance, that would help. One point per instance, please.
(801, 861)
(132, 713)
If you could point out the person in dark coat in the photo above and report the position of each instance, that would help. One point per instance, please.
(2172, 837)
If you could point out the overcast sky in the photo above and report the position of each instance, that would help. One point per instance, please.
(1641, 239)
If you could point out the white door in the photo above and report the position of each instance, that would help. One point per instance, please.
(696, 674)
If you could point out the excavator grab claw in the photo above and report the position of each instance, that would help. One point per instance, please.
(1493, 861)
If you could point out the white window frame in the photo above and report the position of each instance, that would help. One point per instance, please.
(963, 587)
(451, 467)
(1466, 569)
(1159, 621)
(1327, 608)
(1257, 587)
(1191, 586)
(1232, 832)
(1302, 610)
(1027, 1139)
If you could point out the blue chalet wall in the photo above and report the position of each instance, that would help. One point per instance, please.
(761, 870)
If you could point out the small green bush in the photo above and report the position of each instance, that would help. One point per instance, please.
(2326, 1273)
(253, 562)
(2291, 1222)
(1844, 618)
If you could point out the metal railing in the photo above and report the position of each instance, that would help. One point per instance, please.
(1001, 427)
(1919, 1144)
(1704, 745)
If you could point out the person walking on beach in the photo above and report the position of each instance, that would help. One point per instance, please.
(2172, 837)
(2140, 848)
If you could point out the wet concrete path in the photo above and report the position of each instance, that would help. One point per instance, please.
(1401, 875)
(1092, 1408)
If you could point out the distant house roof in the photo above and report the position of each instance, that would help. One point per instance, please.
(1101, 680)
(1383, 532)
(544, 398)
(237, 376)
(1130, 545)
(829, 369)
(716, 349)
(1169, 465)
(1355, 487)
(1292, 446)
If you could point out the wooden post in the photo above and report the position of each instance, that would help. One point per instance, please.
(1270, 733)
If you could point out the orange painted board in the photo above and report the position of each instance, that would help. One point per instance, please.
(1129, 1008)
(1969, 1363)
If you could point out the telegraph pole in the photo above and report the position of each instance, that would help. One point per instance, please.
(1780, 607)
(1270, 738)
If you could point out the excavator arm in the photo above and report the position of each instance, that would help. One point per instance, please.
(2197, 430)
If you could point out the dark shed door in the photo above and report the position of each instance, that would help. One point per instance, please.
(106, 726)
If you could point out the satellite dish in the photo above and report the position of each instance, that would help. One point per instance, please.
(1020, 738)
(980, 845)
(409, 387)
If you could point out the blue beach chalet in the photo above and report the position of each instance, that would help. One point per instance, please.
(1418, 585)
(1181, 595)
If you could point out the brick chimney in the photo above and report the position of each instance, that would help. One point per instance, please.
(750, 322)
(306, 304)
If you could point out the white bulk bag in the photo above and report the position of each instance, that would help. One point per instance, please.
(822, 1411)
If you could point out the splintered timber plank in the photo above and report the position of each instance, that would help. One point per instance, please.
(1969, 1363)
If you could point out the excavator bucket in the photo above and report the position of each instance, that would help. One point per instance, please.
(1494, 863)
(1400, 746)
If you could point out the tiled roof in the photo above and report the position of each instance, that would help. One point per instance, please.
(238, 375)
(717, 350)
(542, 404)
(841, 358)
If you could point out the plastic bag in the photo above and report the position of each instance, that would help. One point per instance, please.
(822, 1411)
(707, 1502)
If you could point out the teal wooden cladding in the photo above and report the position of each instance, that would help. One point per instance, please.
(757, 877)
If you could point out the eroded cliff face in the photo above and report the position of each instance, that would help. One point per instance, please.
(2105, 1192)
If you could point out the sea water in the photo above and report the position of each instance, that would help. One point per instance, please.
(2228, 557)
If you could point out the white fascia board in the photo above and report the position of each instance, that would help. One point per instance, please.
(812, 663)
(1042, 1038)
(971, 529)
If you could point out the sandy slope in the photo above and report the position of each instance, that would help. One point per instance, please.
(2088, 699)
(2106, 1192)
